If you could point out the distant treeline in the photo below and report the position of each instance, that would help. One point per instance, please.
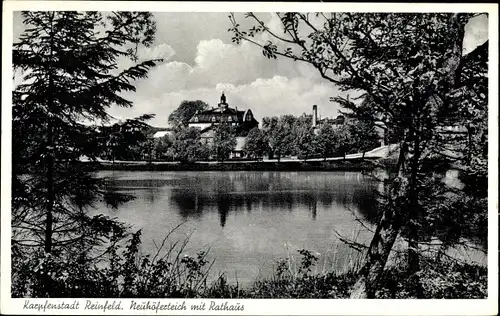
(278, 137)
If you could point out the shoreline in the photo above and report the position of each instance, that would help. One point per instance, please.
(348, 165)
(351, 162)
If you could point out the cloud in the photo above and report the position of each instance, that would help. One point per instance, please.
(200, 61)
(163, 51)
(166, 77)
(476, 33)
(217, 62)
(265, 97)
(184, 30)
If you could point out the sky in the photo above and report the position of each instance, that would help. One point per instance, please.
(200, 62)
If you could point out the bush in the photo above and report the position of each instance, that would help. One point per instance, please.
(172, 275)
(449, 279)
(123, 275)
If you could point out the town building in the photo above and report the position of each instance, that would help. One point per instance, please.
(242, 121)
(160, 132)
(317, 121)
(339, 121)
(223, 113)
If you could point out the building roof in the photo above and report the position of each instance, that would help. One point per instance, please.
(161, 134)
(339, 120)
(224, 113)
(218, 115)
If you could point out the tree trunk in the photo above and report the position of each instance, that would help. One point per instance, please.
(385, 234)
(442, 250)
(378, 253)
(50, 191)
(385, 138)
(469, 143)
(415, 211)
(50, 151)
(46, 278)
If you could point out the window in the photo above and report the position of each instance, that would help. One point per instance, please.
(196, 119)
(249, 117)
(230, 119)
(213, 118)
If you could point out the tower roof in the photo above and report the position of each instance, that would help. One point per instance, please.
(223, 98)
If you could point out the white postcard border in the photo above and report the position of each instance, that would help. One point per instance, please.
(261, 306)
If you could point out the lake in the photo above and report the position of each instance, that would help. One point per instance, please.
(248, 219)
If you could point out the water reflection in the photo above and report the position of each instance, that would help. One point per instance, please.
(247, 217)
(234, 192)
(192, 194)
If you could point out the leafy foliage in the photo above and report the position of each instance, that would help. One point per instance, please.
(363, 136)
(68, 63)
(224, 141)
(163, 148)
(295, 136)
(170, 274)
(127, 140)
(305, 141)
(410, 71)
(187, 146)
(279, 132)
(186, 110)
(446, 279)
(126, 274)
(326, 139)
(256, 144)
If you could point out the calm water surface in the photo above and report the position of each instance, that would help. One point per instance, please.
(248, 219)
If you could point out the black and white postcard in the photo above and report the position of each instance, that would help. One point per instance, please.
(249, 158)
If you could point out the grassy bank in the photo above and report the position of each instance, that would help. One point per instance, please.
(170, 274)
(348, 165)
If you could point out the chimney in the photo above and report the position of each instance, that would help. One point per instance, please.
(315, 115)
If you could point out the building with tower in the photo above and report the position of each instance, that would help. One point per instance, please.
(223, 113)
(242, 121)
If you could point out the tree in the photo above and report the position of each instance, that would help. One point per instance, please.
(326, 140)
(256, 144)
(364, 136)
(474, 115)
(127, 140)
(343, 140)
(147, 152)
(187, 144)
(163, 147)
(408, 65)
(186, 110)
(463, 213)
(268, 124)
(68, 62)
(224, 141)
(304, 141)
(279, 133)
